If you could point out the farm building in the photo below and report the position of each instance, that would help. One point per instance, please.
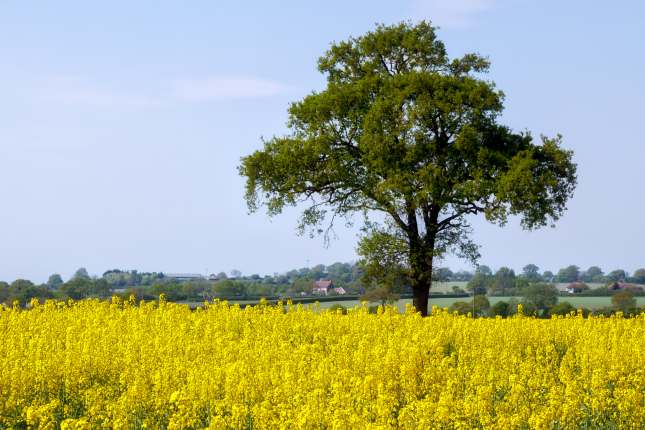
(577, 287)
(325, 287)
(181, 277)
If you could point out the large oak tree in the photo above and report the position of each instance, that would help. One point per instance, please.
(404, 130)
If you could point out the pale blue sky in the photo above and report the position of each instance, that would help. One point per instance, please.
(121, 126)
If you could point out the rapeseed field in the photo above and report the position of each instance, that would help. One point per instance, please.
(127, 365)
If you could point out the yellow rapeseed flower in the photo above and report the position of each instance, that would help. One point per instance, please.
(95, 364)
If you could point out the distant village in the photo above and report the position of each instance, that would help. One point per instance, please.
(337, 279)
(321, 287)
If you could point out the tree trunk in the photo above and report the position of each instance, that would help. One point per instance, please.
(421, 277)
(422, 253)
(420, 296)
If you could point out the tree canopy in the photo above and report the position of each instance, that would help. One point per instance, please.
(54, 281)
(639, 276)
(81, 273)
(404, 130)
(531, 272)
(540, 296)
(593, 274)
(623, 300)
(617, 275)
(504, 280)
(568, 274)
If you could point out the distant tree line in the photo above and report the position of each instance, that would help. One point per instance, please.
(146, 285)
(504, 282)
(543, 300)
(531, 273)
(353, 277)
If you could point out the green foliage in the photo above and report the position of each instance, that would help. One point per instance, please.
(500, 308)
(401, 128)
(338, 308)
(462, 276)
(171, 290)
(76, 288)
(562, 308)
(520, 284)
(568, 274)
(593, 274)
(383, 295)
(4, 292)
(617, 275)
(81, 274)
(503, 281)
(442, 274)
(384, 258)
(80, 287)
(482, 269)
(605, 311)
(540, 297)
(203, 290)
(623, 300)
(22, 291)
(461, 307)
(512, 306)
(128, 278)
(480, 283)
(54, 281)
(100, 288)
(458, 290)
(596, 292)
(301, 284)
(229, 288)
(639, 276)
(531, 273)
(479, 306)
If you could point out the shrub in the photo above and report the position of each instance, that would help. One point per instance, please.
(338, 307)
(562, 308)
(624, 301)
(540, 297)
(500, 308)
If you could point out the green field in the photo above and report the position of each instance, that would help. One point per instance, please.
(576, 301)
(446, 287)
(586, 302)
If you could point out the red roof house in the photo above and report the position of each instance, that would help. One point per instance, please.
(323, 287)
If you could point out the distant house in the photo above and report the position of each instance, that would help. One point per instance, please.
(213, 277)
(577, 287)
(322, 287)
(181, 277)
(623, 286)
(325, 287)
(340, 291)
